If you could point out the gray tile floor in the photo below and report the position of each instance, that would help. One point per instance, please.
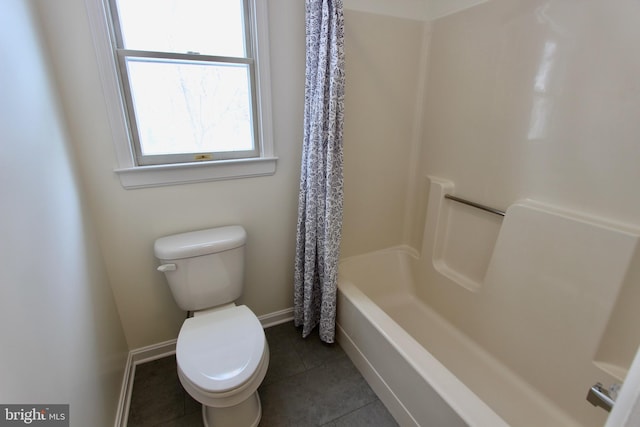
(308, 383)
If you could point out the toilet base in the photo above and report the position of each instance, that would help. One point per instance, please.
(244, 414)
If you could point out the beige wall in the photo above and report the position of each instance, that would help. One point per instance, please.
(62, 341)
(128, 221)
(380, 112)
(383, 73)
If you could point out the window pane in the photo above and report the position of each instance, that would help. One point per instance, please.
(209, 27)
(191, 107)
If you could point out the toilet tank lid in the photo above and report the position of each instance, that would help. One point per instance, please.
(201, 242)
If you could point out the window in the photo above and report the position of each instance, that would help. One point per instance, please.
(191, 88)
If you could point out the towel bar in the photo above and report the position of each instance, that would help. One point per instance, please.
(474, 204)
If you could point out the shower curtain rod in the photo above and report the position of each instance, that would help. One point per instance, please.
(474, 204)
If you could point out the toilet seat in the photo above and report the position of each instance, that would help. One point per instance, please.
(220, 351)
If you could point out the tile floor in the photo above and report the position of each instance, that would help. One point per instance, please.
(308, 383)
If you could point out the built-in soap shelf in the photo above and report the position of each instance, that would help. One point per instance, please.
(464, 236)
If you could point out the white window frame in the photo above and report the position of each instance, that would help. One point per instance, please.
(133, 175)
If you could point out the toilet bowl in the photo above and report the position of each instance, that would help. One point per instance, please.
(221, 352)
(222, 358)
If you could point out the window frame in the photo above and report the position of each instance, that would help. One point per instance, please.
(132, 174)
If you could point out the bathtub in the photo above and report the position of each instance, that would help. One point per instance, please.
(425, 371)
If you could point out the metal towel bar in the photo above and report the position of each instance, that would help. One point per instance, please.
(474, 204)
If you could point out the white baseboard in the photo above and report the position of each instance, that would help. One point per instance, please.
(122, 412)
(276, 318)
(136, 357)
(167, 348)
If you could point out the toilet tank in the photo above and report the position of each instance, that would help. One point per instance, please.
(204, 268)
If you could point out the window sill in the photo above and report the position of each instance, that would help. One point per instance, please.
(185, 173)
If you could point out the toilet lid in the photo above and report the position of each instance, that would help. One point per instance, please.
(221, 350)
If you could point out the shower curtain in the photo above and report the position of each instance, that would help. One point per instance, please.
(321, 183)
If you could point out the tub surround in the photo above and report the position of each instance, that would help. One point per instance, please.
(522, 100)
(527, 337)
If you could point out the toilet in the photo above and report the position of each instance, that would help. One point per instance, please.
(221, 353)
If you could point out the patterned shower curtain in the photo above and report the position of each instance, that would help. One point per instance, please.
(321, 182)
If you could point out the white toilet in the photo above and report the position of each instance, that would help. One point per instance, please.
(222, 352)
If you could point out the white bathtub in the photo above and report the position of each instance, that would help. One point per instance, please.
(425, 371)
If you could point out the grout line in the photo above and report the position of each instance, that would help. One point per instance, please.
(351, 412)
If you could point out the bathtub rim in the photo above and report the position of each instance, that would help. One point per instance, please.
(464, 402)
